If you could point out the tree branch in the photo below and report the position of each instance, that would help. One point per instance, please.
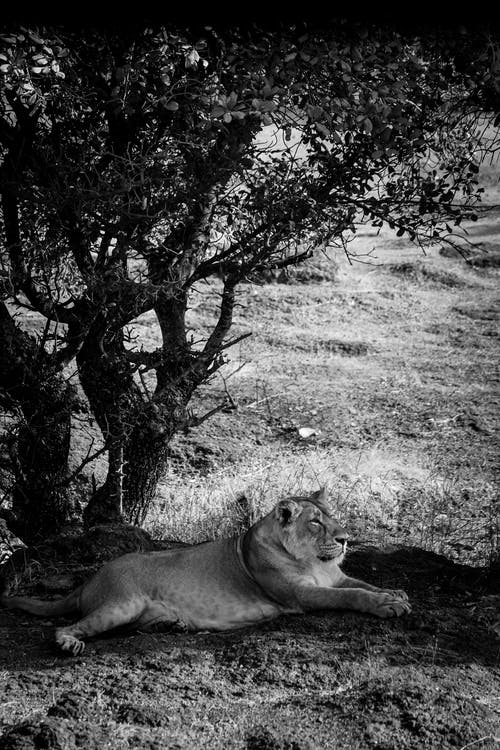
(7, 133)
(223, 325)
(236, 340)
(21, 278)
(212, 265)
(79, 245)
(149, 360)
(88, 459)
(291, 260)
(193, 421)
(75, 338)
(106, 238)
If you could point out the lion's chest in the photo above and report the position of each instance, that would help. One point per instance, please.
(323, 574)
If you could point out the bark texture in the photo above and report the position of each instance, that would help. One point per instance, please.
(136, 427)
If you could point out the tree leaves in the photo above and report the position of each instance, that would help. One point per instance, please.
(275, 140)
(192, 59)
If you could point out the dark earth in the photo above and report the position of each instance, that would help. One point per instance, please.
(430, 679)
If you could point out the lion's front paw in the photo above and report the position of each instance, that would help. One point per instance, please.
(396, 593)
(390, 604)
(69, 643)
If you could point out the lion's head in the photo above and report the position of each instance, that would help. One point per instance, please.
(307, 529)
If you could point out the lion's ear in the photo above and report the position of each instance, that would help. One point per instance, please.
(287, 511)
(321, 495)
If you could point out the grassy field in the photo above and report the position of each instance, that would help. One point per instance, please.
(391, 366)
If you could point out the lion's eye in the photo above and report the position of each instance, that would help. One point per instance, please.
(315, 522)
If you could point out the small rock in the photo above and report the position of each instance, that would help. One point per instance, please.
(306, 432)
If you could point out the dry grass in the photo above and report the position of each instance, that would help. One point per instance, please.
(399, 386)
(378, 500)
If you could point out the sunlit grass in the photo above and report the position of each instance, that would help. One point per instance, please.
(375, 497)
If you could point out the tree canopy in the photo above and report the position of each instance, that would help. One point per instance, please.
(137, 165)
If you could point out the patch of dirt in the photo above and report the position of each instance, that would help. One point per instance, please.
(195, 454)
(450, 252)
(335, 680)
(144, 716)
(416, 710)
(422, 273)
(225, 439)
(262, 738)
(486, 261)
(344, 348)
(479, 312)
(29, 735)
(68, 705)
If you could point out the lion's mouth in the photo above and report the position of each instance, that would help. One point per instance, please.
(330, 553)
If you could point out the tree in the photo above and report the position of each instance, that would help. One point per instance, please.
(134, 171)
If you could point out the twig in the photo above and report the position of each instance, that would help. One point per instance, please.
(232, 342)
(481, 739)
(261, 400)
(88, 458)
(233, 372)
(141, 375)
(230, 399)
(195, 421)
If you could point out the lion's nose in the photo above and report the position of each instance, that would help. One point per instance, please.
(341, 540)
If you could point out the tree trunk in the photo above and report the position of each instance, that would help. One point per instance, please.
(29, 378)
(40, 497)
(106, 504)
(108, 384)
(146, 457)
(135, 467)
(136, 428)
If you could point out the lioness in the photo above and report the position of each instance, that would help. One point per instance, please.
(288, 562)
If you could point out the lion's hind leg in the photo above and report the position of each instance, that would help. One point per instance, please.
(106, 617)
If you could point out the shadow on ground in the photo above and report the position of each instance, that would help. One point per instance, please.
(331, 680)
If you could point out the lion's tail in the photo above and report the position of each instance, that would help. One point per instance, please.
(66, 605)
